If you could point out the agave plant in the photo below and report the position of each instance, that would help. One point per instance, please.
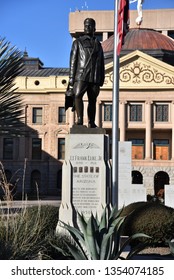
(171, 246)
(100, 240)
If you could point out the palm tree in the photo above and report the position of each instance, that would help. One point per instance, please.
(11, 106)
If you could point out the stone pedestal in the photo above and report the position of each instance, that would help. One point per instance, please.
(127, 192)
(86, 173)
(169, 195)
(138, 193)
(124, 174)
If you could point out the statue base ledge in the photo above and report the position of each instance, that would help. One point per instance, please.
(83, 129)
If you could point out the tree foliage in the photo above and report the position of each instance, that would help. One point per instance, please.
(11, 106)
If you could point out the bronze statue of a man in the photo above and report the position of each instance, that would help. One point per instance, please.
(86, 71)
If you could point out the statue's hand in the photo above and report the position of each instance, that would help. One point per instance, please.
(71, 82)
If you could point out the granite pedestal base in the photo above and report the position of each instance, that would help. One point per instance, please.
(86, 173)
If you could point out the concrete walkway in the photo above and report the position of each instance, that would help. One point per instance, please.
(26, 203)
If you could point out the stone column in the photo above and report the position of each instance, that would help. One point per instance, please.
(148, 116)
(122, 121)
(105, 36)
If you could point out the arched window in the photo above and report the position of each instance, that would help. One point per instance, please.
(137, 177)
(161, 178)
(35, 181)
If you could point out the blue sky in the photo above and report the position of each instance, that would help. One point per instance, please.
(41, 26)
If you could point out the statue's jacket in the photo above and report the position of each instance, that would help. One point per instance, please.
(87, 60)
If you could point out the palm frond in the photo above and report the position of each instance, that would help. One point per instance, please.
(11, 105)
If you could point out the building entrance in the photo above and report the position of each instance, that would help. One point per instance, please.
(161, 178)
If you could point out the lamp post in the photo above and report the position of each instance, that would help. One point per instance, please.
(115, 113)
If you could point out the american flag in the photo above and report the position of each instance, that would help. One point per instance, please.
(123, 23)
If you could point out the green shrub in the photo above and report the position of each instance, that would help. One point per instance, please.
(26, 234)
(151, 218)
(127, 210)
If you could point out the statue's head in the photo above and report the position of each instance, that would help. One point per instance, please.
(89, 26)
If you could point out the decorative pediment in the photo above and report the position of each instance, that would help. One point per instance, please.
(61, 130)
(139, 70)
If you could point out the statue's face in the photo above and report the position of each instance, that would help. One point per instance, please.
(89, 28)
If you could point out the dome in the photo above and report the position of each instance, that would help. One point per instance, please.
(148, 41)
(141, 39)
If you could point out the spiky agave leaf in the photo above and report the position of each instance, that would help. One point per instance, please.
(136, 249)
(97, 234)
(117, 237)
(76, 253)
(171, 246)
(94, 228)
(102, 226)
(83, 227)
(104, 221)
(72, 251)
(109, 245)
(11, 106)
(96, 231)
(114, 214)
(106, 245)
(90, 238)
(82, 222)
(62, 251)
(76, 235)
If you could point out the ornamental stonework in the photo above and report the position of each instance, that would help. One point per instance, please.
(138, 72)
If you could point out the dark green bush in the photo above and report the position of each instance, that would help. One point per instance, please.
(131, 207)
(151, 218)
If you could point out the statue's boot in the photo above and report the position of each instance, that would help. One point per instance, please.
(79, 110)
(91, 116)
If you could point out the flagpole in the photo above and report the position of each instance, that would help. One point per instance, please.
(115, 113)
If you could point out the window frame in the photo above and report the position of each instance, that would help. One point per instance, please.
(135, 143)
(129, 112)
(6, 150)
(171, 34)
(162, 143)
(36, 116)
(155, 112)
(61, 116)
(39, 152)
(110, 113)
(61, 150)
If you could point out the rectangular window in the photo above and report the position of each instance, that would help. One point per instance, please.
(37, 115)
(107, 112)
(61, 148)
(99, 36)
(36, 148)
(161, 149)
(171, 33)
(162, 112)
(135, 112)
(8, 148)
(110, 34)
(61, 115)
(137, 148)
